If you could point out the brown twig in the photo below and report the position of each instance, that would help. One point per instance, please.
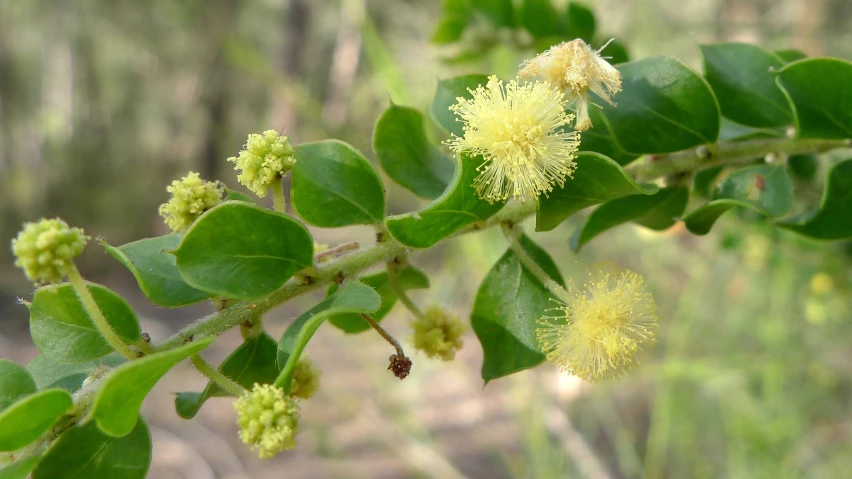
(400, 364)
(341, 248)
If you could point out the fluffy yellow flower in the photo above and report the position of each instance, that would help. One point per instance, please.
(46, 249)
(518, 129)
(191, 196)
(604, 327)
(268, 420)
(438, 333)
(575, 69)
(266, 157)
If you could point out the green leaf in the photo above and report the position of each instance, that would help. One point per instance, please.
(458, 207)
(252, 362)
(791, 55)
(539, 18)
(409, 278)
(353, 297)
(498, 12)
(657, 211)
(508, 304)
(240, 250)
(334, 185)
(84, 452)
(599, 139)
(819, 90)
(665, 107)
(705, 180)
(454, 19)
(63, 331)
(730, 131)
(234, 195)
(742, 77)
(29, 417)
(579, 22)
(597, 179)
(407, 156)
(803, 166)
(156, 271)
(19, 469)
(615, 53)
(446, 95)
(49, 373)
(117, 403)
(833, 219)
(766, 189)
(15, 383)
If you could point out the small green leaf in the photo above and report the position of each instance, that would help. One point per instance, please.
(156, 271)
(742, 76)
(579, 22)
(730, 131)
(19, 469)
(664, 107)
(458, 207)
(63, 331)
(446, 95)
(498, 12)
(705, 180)
(539, 18)
(791, 55)
(833, 219)
(597, 179)
(766, 189)
(15, 383)
(31, 416)
(407, 156)
(657, 211)
(454, 19)
(252, 362)
(409, 278)
(819, 90)
(599, 139)
(803, 166)
(334, 185)
(116, 406)
(234, 195)
(615, 53)
(49, 373)
(240, 250)
(508, 304)
(84, 452)
(353, 297)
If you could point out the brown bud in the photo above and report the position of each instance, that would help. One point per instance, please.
(400, 365)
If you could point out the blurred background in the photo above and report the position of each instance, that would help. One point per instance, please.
(104, 102)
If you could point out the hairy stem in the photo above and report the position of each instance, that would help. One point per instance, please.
(390, 339)
(513, 236)
(220, 379)
(278, 195)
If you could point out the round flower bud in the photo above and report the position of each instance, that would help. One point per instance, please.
(438, 333)
(305, 380)
(266, 157)
(46, 249)
(191, 196)
(268, 420)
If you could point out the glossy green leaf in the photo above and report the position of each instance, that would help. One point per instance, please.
(334, 185)
(664, 107)
(29, 417)
(539, 17)
(49, 373)
(833, 219)
(766, 189)
(156, 271)
(234, 195)
(819, 90)
(353, 297)
(240, 250)
(458, 207)
(15, 383)
(743, 78)
(579, 22)
(730, 131)
(498, 12)
(803, 166)
(19, 469)
(407, 156)
(454, 19)
(84, 452)
(705, 181)
(117, 403)
(252, 362)
(63, 331)
(791, 55)
(657, 211)
(598, 179)
(445, 96)
(409, 278)
(599, 139)
(508, 304)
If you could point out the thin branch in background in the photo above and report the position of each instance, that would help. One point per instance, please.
(336, 251)
(344, 63)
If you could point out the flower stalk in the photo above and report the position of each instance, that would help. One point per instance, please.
(214, 375)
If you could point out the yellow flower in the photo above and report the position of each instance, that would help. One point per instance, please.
(191, 196)
(268, 420)
(604, 327)
(266, 157)
(575, 69)
(438, 333)
(518, 129)
(306, 380)
(46, 249)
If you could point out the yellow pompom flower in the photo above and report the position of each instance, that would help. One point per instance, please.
(268, 420)
(266, 157)
(438, 333)
(604, 327)
(46, 249)
(306, 379)
(575, 69)
(518, 129)
(191, 196)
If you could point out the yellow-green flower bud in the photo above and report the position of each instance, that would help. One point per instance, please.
(268, 420)
(306, 380)
(266, 157)
(46, 249)
(438, 333)
(191, 196)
